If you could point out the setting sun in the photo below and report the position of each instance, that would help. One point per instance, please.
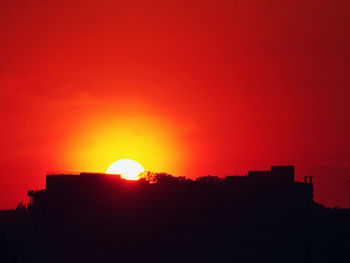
(128, 169)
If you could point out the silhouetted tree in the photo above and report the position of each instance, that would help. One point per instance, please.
(208, 179)
(154, 177)
(20, 206)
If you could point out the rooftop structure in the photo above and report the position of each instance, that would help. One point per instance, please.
(85, 194)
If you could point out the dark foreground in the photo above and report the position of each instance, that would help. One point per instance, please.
(248, 219)
(256, 238)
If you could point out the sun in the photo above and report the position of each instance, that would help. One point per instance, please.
(128, 169)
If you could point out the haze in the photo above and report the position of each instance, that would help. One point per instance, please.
(187, 87)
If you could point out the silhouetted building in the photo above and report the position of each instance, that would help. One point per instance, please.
(103, 218)
(89, 194)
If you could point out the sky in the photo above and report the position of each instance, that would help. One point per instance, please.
(186, 87)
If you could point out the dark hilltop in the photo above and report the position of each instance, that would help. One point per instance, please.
(264, 216)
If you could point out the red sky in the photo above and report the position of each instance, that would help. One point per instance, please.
(187, 87)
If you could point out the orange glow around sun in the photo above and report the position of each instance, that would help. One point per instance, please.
(155, 143)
